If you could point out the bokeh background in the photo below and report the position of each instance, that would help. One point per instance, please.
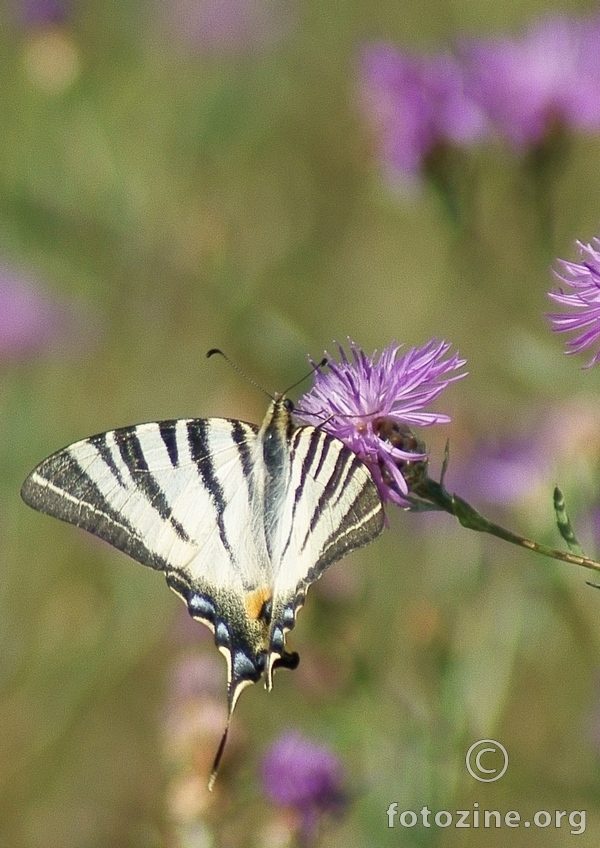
(182, 174)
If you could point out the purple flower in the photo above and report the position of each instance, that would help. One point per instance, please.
(584, 280)
(551, 74)
(415, 103)
(370, 402)
(299, 773)
(507, 472)
(230, 26)
(30, 322)
(34, 13)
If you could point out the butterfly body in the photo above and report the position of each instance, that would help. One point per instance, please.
(241, 520)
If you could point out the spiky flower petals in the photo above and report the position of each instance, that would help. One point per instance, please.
(584, 280)
(371, 402)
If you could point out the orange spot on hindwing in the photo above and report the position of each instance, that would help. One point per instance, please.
(256, 604)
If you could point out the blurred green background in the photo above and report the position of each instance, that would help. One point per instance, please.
(171, 197)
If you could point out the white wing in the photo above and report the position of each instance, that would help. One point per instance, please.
(174, 495)
(331, 507)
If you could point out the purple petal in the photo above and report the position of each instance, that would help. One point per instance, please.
(551, 73)
(358, 393)
(584, 279)
(414, 102)
(299, 773)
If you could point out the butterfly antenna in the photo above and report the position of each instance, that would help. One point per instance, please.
(316, 366)
(215, 351)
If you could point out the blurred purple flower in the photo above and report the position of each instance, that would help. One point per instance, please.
(551, 74)
(307, 777)
(32, 323)
(34, 13)
(369, 404)
(584, 279)
(506, 472)
(416, 102)
(230, 26)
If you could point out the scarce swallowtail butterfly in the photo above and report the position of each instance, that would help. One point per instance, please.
(240, 519)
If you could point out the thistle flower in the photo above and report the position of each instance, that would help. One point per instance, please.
(550, 75)
(415, 103)
(371, 402)
(299, 774)
(584, 279)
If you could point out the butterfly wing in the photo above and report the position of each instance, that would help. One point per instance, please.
(175, 496)
(331, 507)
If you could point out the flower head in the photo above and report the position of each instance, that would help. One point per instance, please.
(31, 322)
(305, 776)
(584, 280)
(370, 403)
(551, 74)
(415, 102)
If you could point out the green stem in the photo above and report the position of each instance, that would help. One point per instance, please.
(433, 492)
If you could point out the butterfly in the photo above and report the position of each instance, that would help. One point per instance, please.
(240, 519)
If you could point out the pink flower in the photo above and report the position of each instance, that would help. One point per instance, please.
(370, 403)
(31, 322)
(416, 102)
(550, 74)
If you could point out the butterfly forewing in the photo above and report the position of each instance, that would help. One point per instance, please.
(167, 493)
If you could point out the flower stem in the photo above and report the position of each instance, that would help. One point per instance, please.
(435, 493)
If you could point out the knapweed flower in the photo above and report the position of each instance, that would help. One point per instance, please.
(414, 103)
(30, 321)
(551, 75)
(584, 280)
(371, 402)
(306, 777)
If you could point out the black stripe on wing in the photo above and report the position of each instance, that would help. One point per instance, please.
(363, 522)
(198, 441)
(168, 433)
(313, 453)
(361, 519)
(60, 487)
(132, 453)
(333, 467)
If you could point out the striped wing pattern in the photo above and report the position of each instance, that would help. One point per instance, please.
(240, 520)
